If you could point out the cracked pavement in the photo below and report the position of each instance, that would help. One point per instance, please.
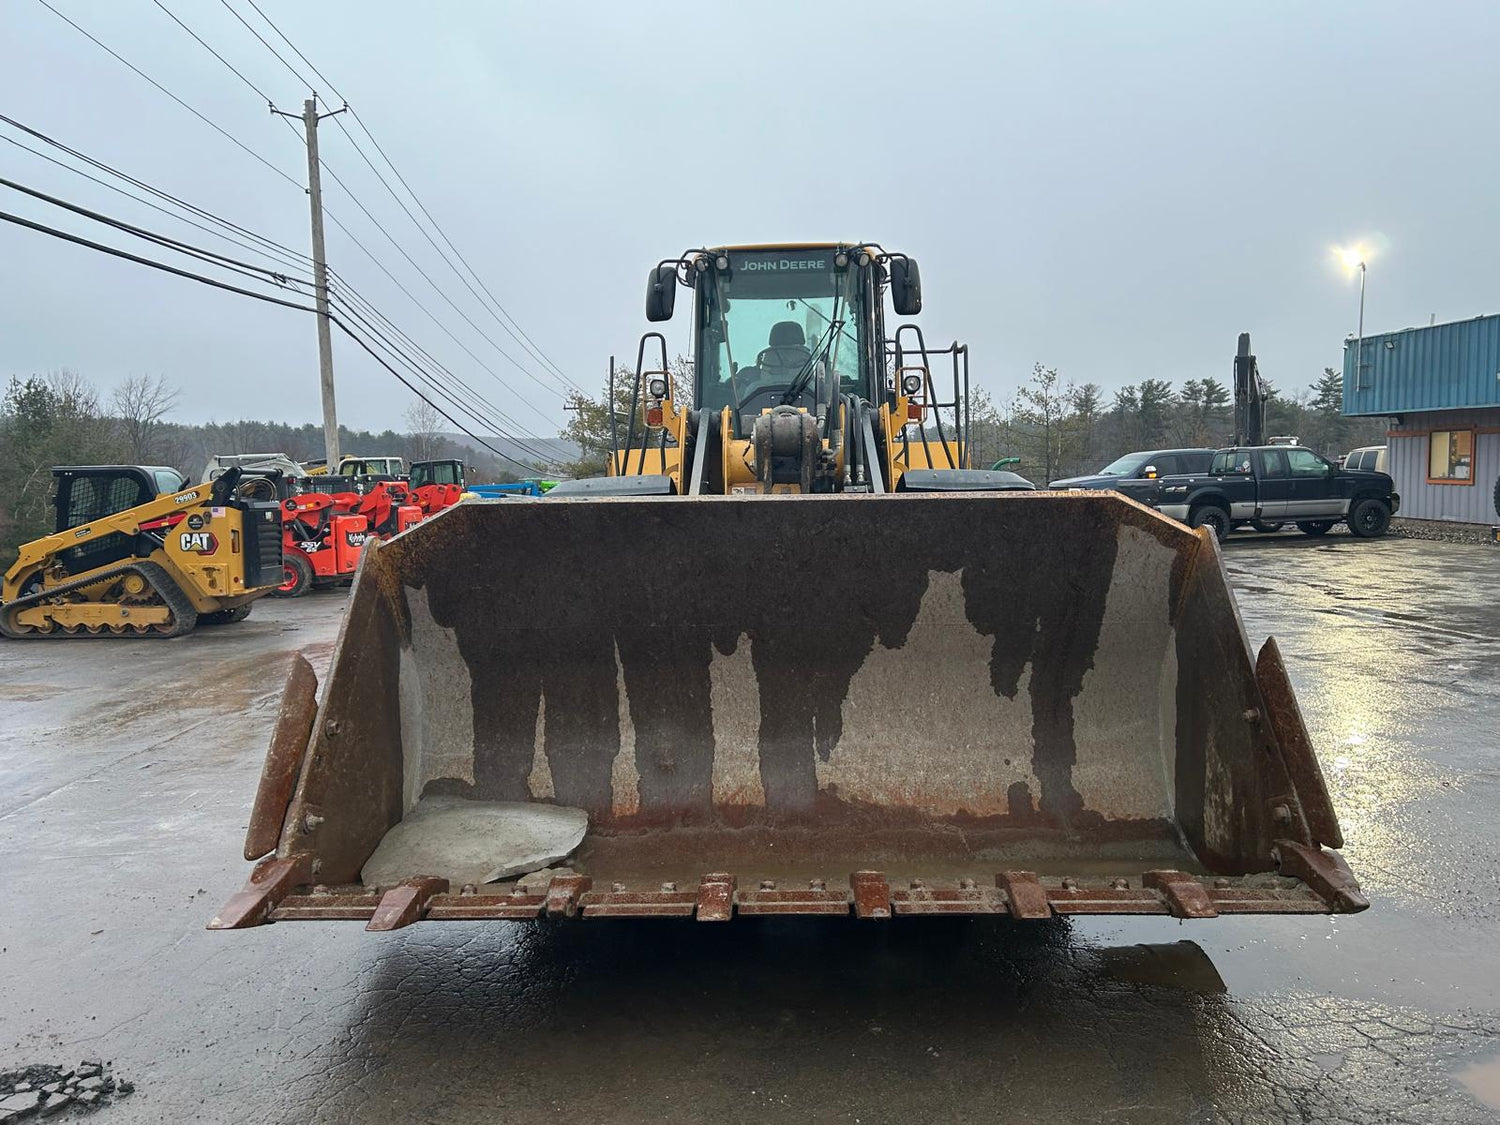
(127, 770)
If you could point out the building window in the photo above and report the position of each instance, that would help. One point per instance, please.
(1450, 457)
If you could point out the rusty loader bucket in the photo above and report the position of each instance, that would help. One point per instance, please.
(1024, 703)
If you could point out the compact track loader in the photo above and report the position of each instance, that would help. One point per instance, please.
(136, 554)
(793, 654)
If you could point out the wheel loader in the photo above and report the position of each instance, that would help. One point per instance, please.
(792, 654)
(136, 554)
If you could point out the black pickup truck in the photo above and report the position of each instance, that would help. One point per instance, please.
(1273, 484)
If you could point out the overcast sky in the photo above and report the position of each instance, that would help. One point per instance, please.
(1116, 190)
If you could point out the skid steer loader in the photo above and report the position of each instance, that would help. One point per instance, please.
(793, 654)
(135, 554)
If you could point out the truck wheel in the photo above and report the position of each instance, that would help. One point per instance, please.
(1369, 518)
(1213, 517)
(297, 577)
(1314, 527)
(1267, 526)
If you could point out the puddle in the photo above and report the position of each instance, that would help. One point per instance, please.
(1178, 964)
(1483, 1081)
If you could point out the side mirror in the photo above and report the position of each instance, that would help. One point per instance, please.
(906, 286)
(1149, 472)
(661, 292)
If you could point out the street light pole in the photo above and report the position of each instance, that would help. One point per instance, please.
(1359, 347)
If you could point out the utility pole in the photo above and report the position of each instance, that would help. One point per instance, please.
(310, 118)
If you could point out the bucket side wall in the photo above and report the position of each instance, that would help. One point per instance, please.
(1230, 775)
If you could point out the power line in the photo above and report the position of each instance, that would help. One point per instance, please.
(164, 267)
(381, 266)
(257, 90)
(217, 284)
(207, 121)
(306, 61)
(452, 397)
(235, 70)
(351, 299)
(276, 248)
(533, 346)
(476, 406)
(259, 238)
(342, 327)
(221, 260)
(308, 85)
(260, 93)
(243, 244)
(518, 338)
(513, 328)
(343, 287)
(436, 288)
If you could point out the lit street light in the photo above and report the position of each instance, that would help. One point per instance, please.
(1353, 257)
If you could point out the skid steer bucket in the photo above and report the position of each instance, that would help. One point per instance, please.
(1022, 703)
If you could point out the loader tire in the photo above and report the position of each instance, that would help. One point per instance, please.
(1314, 527)
(1369, 518)
(1212, 517)
(1497, 497)
(297, 577)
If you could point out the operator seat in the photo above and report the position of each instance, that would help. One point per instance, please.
(785, 354)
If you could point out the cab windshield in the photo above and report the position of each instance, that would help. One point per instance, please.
(1124, 467)
(779, 326)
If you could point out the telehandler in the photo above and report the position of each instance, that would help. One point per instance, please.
(793, 654)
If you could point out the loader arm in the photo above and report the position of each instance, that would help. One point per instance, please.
(38, 552)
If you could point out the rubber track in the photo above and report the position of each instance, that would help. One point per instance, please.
(184, 616)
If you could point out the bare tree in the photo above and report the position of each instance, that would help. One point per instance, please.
(139, 404)
(424, 427)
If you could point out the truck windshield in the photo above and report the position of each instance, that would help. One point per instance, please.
(775, 321)
(1124, 467)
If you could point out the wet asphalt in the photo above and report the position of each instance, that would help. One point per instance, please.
(127, 769)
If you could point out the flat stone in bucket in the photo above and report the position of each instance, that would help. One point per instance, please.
(474, 841)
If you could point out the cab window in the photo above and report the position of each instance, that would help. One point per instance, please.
(1306, 463)
(1196, 462)
(1231, 462)
(168, 481)
(1273, 464)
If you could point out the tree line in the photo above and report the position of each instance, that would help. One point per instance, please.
(1059, 429)
(64, 419)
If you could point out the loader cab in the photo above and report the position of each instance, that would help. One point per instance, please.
(449, 471)
(85, 493)
(386, 468)
(799, 325)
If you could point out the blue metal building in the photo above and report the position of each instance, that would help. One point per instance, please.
(1440, 388)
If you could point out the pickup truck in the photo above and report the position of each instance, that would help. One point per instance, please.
(1271, 484)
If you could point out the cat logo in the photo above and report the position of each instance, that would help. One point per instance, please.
(202, 542)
